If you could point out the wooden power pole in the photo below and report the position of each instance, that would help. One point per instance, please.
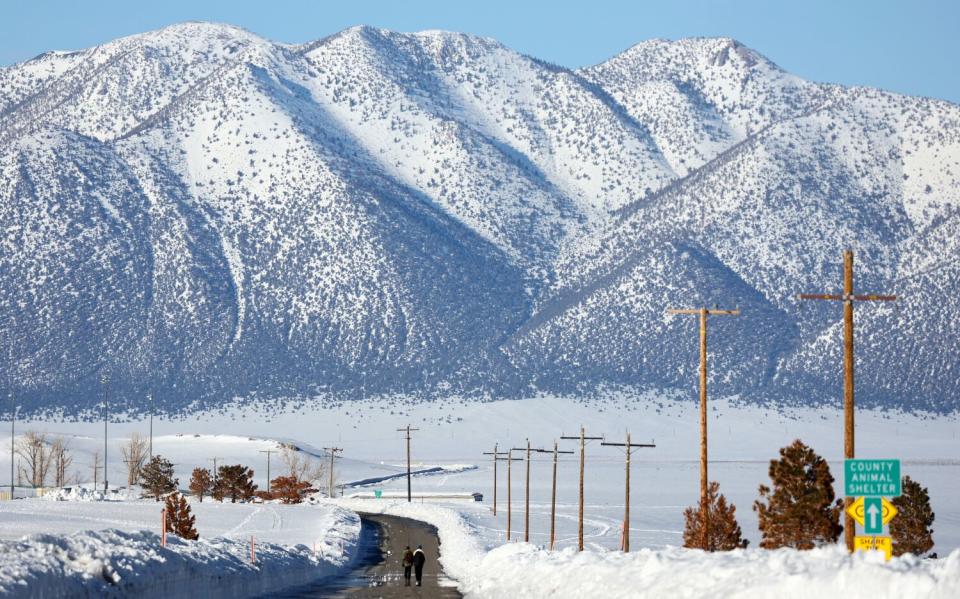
(13, 445)
(106, 399)
(509, 460)
(408, 430)
(496, 454)
(553, 493)
(268, 452)
(703, 313)
(333, 451)
(628, 449)
(214, 460)
(848, 297)
(583, 438)
(526, 500)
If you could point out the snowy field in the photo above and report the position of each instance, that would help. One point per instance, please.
(455, 434)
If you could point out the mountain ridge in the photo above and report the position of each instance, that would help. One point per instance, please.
(376, 212)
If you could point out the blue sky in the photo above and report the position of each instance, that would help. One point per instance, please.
(909, 47)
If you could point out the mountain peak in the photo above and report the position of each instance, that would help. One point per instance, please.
(205, 214)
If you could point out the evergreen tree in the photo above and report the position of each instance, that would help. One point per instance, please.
(201, 483)
(234, 482)
(289, 490)
(157, 477)
(180, 518)
(724, 533)
(800, 512)
(911, 529)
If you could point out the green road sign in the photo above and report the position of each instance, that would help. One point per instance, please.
(872, 515)
(871, 478)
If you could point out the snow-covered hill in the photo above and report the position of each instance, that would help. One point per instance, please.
(203, 214)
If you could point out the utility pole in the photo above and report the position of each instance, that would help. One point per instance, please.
(268, 452)
(628, 450)
(848, 297)
(509, 460)
(150, 397)
(553, 493)
(526, 500)
(495, 455)
(214, 460)
(333, 455)
(408, 430)
(703, 313)
(105, 381)
(583, 444)
(13, 436)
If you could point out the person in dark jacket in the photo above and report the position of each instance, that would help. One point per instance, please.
(419, 558)
(407, 565)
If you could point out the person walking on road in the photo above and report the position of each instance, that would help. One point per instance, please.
(419, 558)
(407, 564)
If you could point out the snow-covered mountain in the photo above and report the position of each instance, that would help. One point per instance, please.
(203, 214)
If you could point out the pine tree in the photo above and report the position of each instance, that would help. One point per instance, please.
(235, 482)
(801, 511)
(180, 518)
(289, 490)
(911, 529)
(201, 483)
(157, 477)
(724, 532)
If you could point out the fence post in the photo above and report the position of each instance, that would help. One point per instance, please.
(253, 550)
(163, 527)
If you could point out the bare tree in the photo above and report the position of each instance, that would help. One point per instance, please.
(96, 467)
(61, 461)
(134, 456)
(35, 457)
(302, 467)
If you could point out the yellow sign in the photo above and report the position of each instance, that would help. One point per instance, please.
(884, 544)
(856, 511)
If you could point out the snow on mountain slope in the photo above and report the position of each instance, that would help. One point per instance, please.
(206, 214)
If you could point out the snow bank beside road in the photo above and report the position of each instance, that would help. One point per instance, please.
(114, 563)
(523, 570)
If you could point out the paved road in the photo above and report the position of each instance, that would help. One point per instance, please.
(379, 573)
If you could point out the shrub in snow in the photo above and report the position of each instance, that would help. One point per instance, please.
(201, 483)
(157, 477)
(800, 511)
(723, 531)
(912, 530)
(180, 519)
(234, 482)
(290, 490)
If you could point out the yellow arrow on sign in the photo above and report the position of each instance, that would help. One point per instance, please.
(856, 511)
